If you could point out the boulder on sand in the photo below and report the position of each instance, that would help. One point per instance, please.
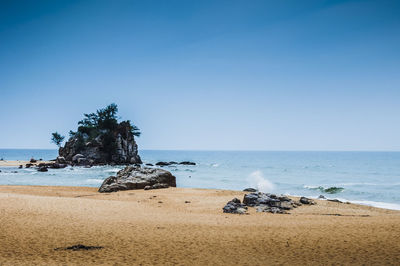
(137, 177)
(264, 202)
(235, 206)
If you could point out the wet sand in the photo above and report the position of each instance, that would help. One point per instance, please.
(5, 163)
(158, 227)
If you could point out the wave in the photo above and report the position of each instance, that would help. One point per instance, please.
(378, 204)
(256, 179)
(113, 170)
(329, 190)
(94, 180)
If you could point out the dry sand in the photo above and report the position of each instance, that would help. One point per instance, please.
(158, 227)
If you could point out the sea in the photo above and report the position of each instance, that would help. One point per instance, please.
(370, 178)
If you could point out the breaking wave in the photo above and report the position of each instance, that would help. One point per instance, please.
(329, 190)
(256, 179)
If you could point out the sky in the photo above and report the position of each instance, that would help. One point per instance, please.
(205, 75)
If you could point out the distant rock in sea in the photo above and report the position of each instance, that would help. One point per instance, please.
(172, 163)
(101, 139)
(137, 177)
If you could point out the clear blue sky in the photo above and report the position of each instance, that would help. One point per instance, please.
(216, 75)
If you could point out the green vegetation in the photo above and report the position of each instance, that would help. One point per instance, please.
(57, 138)
(102, 126)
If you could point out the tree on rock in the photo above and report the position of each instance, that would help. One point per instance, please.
(100, 138)
(57, 138)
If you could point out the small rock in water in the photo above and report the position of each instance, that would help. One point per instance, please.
(187, 163)
(321, 197)
(163, 164)
(234, 206)
(33, 160)
(250, 189)
(20, 167)
(308, 201)
(149, 164)
(61, 159)
(42, 169)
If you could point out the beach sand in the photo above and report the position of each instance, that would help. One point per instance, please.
(158, 227)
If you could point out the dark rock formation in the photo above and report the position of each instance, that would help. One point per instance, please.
(20, 166)
(235, 206)
(42, 169)
(187, 163)
(172, 163)
(28, 165)
(61, 159)
(82, 150)
(308, 201)
(149, 164)
(79, 247)
(335, 200)
(162, 164)
(102, 139)
(51, 165)
(156, 186)
(264, 202)
(33, 160)
(136, 177)
(250, 189)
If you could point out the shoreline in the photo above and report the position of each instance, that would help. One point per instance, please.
(16, 163)
(376, 204)
(185, 226)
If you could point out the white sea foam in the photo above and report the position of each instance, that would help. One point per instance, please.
(113, 170)
(378, 204)
(257, 179)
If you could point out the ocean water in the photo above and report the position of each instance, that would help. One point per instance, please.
(371, 178)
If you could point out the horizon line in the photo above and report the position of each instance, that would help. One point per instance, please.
(225, 150)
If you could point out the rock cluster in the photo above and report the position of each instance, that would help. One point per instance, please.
(42, 167)
(305, 200)
(235, 206)
(137, 177)
(264, 202)
(82, 150)
(172, 163)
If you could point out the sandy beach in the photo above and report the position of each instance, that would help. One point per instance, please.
(16, 163)
(185, 227)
